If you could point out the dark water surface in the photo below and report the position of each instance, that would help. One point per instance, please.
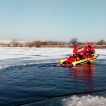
(48, 84)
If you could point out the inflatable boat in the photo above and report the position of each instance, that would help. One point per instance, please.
(63, 62)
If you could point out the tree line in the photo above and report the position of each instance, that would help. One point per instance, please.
(38, 43)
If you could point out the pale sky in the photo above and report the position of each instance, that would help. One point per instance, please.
(58, 20)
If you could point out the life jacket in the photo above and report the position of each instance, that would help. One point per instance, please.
(78, 53)
(77, 50)
(88, 51)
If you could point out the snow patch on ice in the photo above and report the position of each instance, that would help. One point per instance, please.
(85, 101)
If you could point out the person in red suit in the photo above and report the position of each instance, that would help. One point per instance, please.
(78, 52)
(89, 50)
(75, 55)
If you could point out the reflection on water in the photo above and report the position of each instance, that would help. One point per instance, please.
(84, 74)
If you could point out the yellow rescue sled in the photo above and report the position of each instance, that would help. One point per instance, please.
(82, 61)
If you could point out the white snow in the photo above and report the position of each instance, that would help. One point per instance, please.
(11, 56)
(48, 53)
(85, 101)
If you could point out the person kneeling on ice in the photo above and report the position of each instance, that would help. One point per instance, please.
(89, 50)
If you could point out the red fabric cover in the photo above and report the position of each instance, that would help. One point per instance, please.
(70, 59)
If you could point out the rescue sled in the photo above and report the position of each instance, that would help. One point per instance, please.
(89, 60)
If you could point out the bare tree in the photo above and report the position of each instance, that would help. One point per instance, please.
(14, 43)
(74, 41)
(37, 43)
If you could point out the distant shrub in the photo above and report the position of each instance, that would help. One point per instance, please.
(101, 42)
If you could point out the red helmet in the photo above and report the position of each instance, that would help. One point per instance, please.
(90, 44)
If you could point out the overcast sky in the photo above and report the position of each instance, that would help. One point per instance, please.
(58, 20)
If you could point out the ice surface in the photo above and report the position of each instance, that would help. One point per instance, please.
(50, 53)
(85, 101)
(11, 56)
(10, 53)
